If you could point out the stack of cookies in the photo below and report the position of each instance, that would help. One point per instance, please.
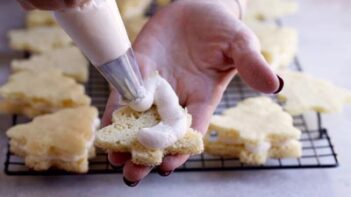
(278, 44)
(257, 128)
(48, 87)
(253, 131)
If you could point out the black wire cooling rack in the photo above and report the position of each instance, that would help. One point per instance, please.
(318, 150)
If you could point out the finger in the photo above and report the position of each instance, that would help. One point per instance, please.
(170, 163)
(251, 65)
(135, 173)
(111, 106)
(118, 159)
(201, 114)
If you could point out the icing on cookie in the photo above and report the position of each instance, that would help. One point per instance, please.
(173, 122)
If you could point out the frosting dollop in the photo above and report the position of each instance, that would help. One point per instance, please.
(173, 124)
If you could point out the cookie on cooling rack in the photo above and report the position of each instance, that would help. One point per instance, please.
(39, 39)
(62, 140)
(121, 136)
(68, 59)
(303, 93)
(270, 9)
(35, 93)
(38, 18)
(134, 25)
(132, 8)
(278, 44)
(255, 130)
(163, 2)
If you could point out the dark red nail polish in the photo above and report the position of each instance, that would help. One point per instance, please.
(281, 85)
(130, 183)
(115, 166)
(163, 173)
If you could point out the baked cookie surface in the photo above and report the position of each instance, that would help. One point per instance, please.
(121, 136)
(39, 39)
(39, 18)
(69, 60)
(63, 139)
(278, 44)
(132, 8)
(134, 25)
(270, 9)
(303, 93)
(254, 130)
(35, 93)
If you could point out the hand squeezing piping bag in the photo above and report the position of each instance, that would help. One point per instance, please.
(97, 29)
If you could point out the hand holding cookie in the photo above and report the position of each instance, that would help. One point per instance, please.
(198, 52)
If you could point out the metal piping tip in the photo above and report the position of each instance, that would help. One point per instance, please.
(124, 75)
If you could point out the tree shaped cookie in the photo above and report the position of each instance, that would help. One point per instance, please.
(134, 25)
(38, 40)
(121, 136)
(133, 8)
(278, 44)
(69, 60)
(35, 93)
(270, 9)
(254, 130)
(39, 18)
(63, 140)
(303, 93)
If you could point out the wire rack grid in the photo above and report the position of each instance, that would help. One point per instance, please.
(318, 150)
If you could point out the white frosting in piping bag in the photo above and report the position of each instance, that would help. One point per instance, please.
(97, 28)
(173, 123)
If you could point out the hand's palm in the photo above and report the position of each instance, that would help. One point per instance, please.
(197, 46)
(193, 51)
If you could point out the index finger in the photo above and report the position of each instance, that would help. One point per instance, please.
(111, 106)
(251, 65)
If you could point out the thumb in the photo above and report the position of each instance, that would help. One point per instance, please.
(251, 65)
(111, 106)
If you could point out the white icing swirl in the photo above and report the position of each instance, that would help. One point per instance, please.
(173, 123)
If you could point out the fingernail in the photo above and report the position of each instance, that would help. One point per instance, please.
(130, 183)
(164, 173)
(281, 85)
(115, 166)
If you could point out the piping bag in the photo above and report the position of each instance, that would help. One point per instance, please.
(97, 29)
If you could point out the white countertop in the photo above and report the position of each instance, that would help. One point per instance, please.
(325, 51)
